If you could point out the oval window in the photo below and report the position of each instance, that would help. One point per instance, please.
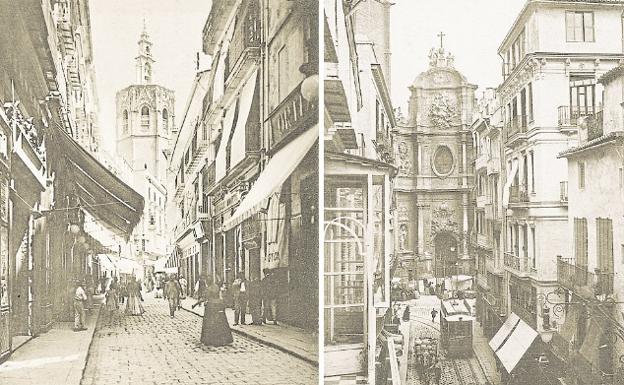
(443, 161)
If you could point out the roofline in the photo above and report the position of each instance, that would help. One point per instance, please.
(531, 3)
(600, 141)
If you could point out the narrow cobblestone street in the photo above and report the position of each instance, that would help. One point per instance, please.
(156, 349)
(454, 371)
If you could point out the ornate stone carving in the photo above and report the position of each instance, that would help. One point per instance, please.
(442, 220)
(442, 112)
(403, 237)
(402, 214)
(405, 165)
(439, 58)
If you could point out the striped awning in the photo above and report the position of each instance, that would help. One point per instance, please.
(174, 258)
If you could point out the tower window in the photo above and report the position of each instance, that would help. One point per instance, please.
(125, 121)
(145, 118)
(165, 119)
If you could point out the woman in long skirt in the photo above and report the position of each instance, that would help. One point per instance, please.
(215, 327)
(112, 300)
(134, 306)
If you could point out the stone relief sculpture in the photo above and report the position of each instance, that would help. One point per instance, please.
(405, 165)
(442, 220)
(441, 111)
(403, 237)
(402, 213)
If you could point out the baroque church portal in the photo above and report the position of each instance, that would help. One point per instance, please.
(435, 180)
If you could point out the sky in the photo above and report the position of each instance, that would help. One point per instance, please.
(474, 29)
(175, 28)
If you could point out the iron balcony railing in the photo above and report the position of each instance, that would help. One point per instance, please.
(516, 125)
(577, 277)
(519, 264)
(246, 34)
(518, 194)
(569, 115)
(293, 114)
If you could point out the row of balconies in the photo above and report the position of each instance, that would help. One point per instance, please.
(519, 265)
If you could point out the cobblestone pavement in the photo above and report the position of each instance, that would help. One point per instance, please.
(156, 349)
(454, 371)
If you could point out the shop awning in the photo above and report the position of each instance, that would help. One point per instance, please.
(277, 170)
(514, 348)
(504, 332)
(590, 350)
(103, 194)
(173, 260)
(568, 329)
(336, 103)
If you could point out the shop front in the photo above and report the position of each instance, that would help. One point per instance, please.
(356, 259)
(84, 192)
(273, 232)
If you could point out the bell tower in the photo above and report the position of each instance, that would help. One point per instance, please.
(145, 116)
(144, 60)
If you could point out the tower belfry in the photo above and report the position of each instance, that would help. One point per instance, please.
(144, 60)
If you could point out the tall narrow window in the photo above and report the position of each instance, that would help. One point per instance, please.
(604, 244)
(282, 73)
(165, 119)
(580, 241)
(532, 158)
(581, 175)
(530, 101)
(125, 121)
(145, 118)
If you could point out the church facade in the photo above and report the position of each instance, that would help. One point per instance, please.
(433, 190)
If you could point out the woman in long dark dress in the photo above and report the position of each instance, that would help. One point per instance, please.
(215, 327)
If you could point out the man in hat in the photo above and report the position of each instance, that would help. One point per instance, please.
(80, 296)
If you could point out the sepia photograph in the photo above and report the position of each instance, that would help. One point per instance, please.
(473, 192)
(159, 177)
(189, 196)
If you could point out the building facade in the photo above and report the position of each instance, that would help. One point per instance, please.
(590, 330)
(552, 58)
(244, 167)
(488, 215)
(433, 188)
(359, 171)
(51, 186)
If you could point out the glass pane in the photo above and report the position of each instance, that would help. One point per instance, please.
(347, 289)
(344, 196)
(578, 27)
(570, 26)
(379, 244)
(345, 324)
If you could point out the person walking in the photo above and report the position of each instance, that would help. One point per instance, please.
(215, 327)
(112, 300)
(200, 291)
(80, 297)
(269, 296)
(239, 292)
(406, 313)
(134, 306)
(173, 292)
(434, 313)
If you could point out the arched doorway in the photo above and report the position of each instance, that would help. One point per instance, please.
(445, 263)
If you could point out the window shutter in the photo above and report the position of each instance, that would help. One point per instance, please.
(588, 23)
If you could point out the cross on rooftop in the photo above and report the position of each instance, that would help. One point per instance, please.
(441, 36)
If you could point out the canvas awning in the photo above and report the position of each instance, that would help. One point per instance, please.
(173, 260)
(514, 348)
(102, 193)
(509, 181)
(270, 181)
(504, 331)
(568, 329)
(336, 103)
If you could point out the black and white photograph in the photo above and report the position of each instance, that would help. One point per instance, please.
(159, 204)
(473, 192)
